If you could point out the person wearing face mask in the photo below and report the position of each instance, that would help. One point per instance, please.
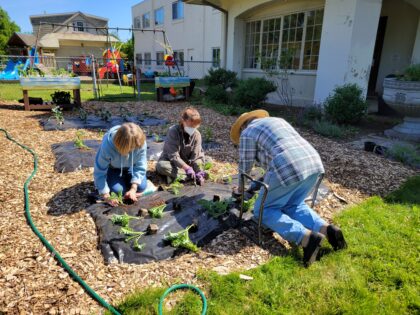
(182, 152)
(121, 163)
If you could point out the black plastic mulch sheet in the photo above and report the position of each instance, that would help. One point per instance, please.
(69, 158)
(115, 249)
(95, 122)
(180, 212)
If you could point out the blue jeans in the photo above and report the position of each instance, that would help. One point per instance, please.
(122, 184)
(285, 210)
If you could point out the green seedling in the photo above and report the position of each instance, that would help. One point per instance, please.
(57, 114)
(208, 134)
(105, 114)
(117, 197)
(133, 235)
(122, 219)
(101, 133)
(125, 113)
(157, 212)
(215, 208)
(83, 115)
(249, 204)
(208, 166)
(78, 141)
(228, 179)
(157, 137)
(176, 186)
(181, 239)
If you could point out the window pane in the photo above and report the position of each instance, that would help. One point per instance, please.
(313, 39)
(319, 16)
(311, 18)
(146, 20)
(159, 16)
(317, 32)
(252, 43)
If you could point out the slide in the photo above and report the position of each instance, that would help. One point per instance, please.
(11, 71)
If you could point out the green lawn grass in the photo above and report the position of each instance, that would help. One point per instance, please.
(112, 92)
(379, 273)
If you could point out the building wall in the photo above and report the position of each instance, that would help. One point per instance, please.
(400, 35)
(196, 34)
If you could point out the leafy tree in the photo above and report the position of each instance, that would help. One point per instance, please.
(7, 28)
(128, 49)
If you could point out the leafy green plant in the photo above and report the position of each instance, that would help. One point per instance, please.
(104, 114)
(328, 129)
(208, 134)
(157, 137)
(412, 73)
(101, 133)
(215, 208)
(78, 141)
(83, 115)
(57, 114)
(217, 94)
(207, 166)
(249, 204)
(251, 93)
(181, 239)
(157, 212)
(125, 113)
(346, 105)
(61, 97)
(221, 77)
(133, 235)
(117, 197)
(122, 219)
(228, 179)
(176, 186)
(405, 154)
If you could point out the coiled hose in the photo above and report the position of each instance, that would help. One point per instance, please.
(55, 254)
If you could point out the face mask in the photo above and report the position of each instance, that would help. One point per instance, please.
(189, 130)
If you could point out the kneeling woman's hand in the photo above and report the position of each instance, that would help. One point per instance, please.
(107, 199)
(131, 194)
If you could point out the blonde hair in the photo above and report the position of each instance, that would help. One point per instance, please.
(128, 138)
(191, 114)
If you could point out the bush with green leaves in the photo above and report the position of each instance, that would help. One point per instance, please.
(217, 94)
(61, 97)
(225, 109)
(328, 129)
(405, 154)
(251, 93)
(412, 73)
(346, 105)
(221, 77)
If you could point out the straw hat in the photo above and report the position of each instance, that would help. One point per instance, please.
(235, 131)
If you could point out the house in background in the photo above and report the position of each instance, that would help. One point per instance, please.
(56, 43)
(333, 42)
(194, 33)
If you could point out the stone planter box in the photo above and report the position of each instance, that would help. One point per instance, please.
(404, 97)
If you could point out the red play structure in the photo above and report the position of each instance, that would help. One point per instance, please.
(113, 63)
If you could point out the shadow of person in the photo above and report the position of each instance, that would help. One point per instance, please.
(71, 200)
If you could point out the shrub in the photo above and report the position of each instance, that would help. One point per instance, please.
(221, 77)
(346, 105)
(412, 73)
(328, 129)
(405, 154)
(61, 97)
(224, 109)
(216, 93)
(251, 93)
(308, 115)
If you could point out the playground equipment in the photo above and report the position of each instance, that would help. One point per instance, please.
(114, 64)
(11, 72)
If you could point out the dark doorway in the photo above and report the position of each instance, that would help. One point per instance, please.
(377, 55)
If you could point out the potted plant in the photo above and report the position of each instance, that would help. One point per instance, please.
(402, 93)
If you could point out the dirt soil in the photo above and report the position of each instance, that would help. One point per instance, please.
(31, 282)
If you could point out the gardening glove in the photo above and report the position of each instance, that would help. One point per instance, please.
(190, 173)
(131, 195)
(200, 177)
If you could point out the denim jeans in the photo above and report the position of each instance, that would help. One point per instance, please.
(123, 183)
(285, 210)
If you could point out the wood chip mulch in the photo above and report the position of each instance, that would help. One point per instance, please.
(31, 282)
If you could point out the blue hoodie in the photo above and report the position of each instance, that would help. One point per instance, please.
(108, 155)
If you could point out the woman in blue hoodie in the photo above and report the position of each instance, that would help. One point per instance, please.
(121, 163)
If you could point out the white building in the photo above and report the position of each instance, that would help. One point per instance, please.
(334, 41)
(194, 33)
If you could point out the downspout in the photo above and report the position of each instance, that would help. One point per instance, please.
(225, 39)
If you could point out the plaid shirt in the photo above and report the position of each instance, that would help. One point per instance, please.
(278, 148)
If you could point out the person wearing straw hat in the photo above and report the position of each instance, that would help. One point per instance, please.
(292, 167)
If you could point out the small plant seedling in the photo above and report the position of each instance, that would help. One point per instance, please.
(122, 219)
(157, 212)
(57, 114)
(228, 179)
(176, 186)
(215, 208)
(249, 204)
(181, 239)
(117, 197)
(125, 113)
(208, 166)
(78, 141)
(83, 115)
(133, 235)
(101, 133)
(208, 134)
(105, 114)
(157, 137)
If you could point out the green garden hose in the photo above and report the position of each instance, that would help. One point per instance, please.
(183, 286)
(55, 254)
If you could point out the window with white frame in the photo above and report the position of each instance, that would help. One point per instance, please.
(177, 10)
(147, 59)
(78, 26)
(291, 41)
(146, 20)
(159, 16)
(179, 57)
(137, 22)
(139, 59)
(159, 58)
(216, 57)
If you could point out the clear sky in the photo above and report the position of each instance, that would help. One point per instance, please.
(117, 11)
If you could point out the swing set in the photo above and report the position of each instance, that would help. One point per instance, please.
(112, 64)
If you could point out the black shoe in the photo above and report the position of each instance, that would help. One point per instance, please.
(310, 251)
(335, 237)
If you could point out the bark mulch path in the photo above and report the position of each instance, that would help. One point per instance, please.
(31, 282)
